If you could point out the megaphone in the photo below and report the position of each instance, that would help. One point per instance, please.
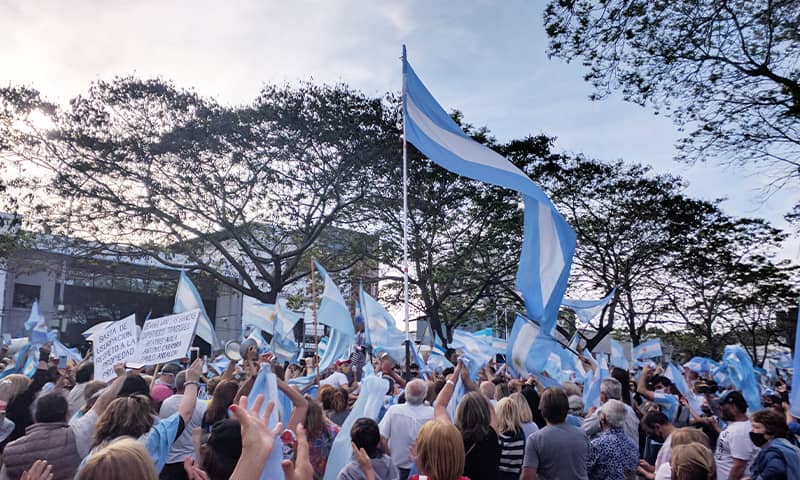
(233, 350)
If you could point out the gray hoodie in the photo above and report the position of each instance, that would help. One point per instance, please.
(382, 466)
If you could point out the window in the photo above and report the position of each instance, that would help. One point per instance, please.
(24, 295)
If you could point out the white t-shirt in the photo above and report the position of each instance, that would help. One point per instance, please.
(336, 380)
(183, 446)
(400, 426)
(664, 472)
(734, 442)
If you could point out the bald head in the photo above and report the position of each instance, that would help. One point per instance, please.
(416, 391)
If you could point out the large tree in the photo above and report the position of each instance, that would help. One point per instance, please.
(727, 71)
(245, 194)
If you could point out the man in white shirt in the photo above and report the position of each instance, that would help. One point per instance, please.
(402, 422)
(735, 452)
(337, 379)
(183, 446)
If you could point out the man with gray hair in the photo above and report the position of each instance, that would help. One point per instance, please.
(612, 454)
(401, 424)
(611, 389)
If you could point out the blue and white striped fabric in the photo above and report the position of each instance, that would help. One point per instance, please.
(477, 351)
(676, 376)
(701, 365)
(548, 242)
(61, 350)
(795, 393)
(334, 313)
(618, 358)
(437, 361)
(35, 316)
(187, 298)
(648, 349)
(368, 405)
(591, 389)
(587, 310)
(380, 328)
(741, 374)
(266, 384)
(499, 344)
(458, 394)
(20, 360)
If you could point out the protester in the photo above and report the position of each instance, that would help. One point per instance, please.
(656, 424)
(339, 406)
(440, 452)
(366, 438)
(224, 395)
(83, 376)
(692, 462)
(321, 434)
(681, 436)
(612, 456)
(482, 447)
(779, 457)
(735, 451)
(512, 438)
(401, 424)
(525, 414)
(611, 389)
(18, 392)
(183, 446)
(124, 459)
(558, 450)
(338, 378)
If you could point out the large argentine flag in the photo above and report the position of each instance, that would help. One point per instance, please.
(187, 298)
(382, 332)
(334, 313)
(548, 242)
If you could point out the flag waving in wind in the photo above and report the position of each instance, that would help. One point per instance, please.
(334, 313)
(548, 242)
(187, 298)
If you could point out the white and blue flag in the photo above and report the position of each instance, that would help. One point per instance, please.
(187, 298)
(618, 358)
(588, 310)
(35, 316)
(334, 313)
(380, 328)
(648, 349)
(548, 242)
(476, 350)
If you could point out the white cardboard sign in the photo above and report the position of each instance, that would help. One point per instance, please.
(114, 344)
(166, 338)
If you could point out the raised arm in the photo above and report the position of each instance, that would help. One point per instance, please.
(300, 405)
(111, 391)
(191, 387)
(440, 405)
(641, 385)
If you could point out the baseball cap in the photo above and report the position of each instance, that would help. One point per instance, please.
(734, 398)
(160, 392)
(342, 362)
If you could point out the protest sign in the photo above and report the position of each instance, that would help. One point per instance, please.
(114, 344)
(166, 338)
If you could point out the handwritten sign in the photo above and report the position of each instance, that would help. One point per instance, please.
(114, 344)
(166, 338)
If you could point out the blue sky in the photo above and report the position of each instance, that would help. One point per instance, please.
(487, 59)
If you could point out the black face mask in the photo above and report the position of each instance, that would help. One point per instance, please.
(758, 439)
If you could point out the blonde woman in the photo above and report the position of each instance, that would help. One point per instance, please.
(512, 439)
(692, 462)
(525, 414)
(440, 451)
(682, 436)
(120, 460)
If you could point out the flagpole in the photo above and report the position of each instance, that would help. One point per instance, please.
(316, 324)
(405, 224)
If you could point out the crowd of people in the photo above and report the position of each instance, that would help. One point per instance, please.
(179, 421)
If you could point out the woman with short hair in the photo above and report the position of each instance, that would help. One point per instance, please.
(779, 458)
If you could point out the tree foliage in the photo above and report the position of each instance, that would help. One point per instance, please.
(725, 70)
(245, 194)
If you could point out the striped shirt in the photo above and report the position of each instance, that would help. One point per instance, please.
(512, 451)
